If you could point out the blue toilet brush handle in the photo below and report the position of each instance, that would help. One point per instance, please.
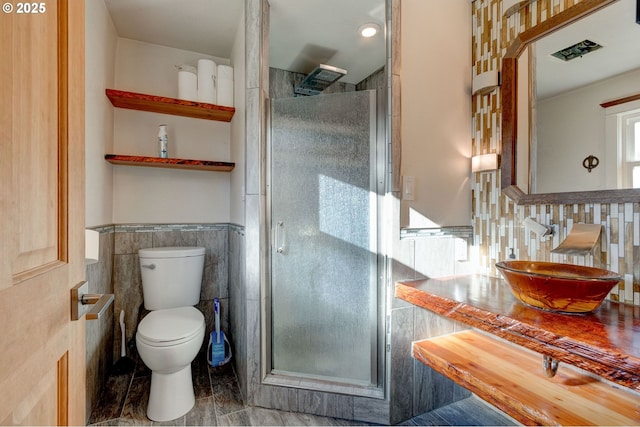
(216, 309)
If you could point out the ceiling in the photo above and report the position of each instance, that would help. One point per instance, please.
(303, 33)
(306, 33)
(203, 26)
(613, 27)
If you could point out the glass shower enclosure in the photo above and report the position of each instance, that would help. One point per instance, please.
(324, 316)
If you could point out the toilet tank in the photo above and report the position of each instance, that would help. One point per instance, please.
(171, 276)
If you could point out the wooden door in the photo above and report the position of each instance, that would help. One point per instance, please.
(42, 351)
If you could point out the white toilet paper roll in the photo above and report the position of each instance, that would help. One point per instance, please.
(225, 72)
(187, 83)
(91, 246)
(225, 92)
(207, 71)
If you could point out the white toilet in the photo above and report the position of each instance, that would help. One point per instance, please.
(169, 338)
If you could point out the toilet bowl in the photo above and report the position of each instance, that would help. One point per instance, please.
(170, 336)
(168, 340)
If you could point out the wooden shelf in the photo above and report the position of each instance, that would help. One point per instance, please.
(176, 107)
(513, 380)
(157, 162)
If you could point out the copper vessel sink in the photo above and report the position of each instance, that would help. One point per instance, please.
(565, 288)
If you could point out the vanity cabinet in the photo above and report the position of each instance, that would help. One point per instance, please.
(177, 107)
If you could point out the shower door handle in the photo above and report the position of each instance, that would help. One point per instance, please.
(279, 237)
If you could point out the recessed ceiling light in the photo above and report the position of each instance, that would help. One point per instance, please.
(369, 30)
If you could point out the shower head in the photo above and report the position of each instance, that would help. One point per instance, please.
(319, 79)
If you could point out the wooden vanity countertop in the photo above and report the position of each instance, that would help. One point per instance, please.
(605, 342)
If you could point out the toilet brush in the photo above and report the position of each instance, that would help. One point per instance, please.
(124, 364)
(217, 354)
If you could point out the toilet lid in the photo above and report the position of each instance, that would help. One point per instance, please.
(171, 326)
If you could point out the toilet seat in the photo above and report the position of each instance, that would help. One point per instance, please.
(169, 327)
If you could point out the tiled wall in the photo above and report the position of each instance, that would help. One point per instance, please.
(413, 387)
(100, 332)
(127, 284)
(118, 272)
(497, 221)
(238, 303)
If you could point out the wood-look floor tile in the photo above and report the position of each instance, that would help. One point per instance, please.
(177, 422)
(200, 377)
(112, 399)
(238, 418)
(135, 407)
(117, 422)
(226, 391)
(302, 419)
(203, 413)
(426, 419)
(124, 402)
(471, 411)
(265, 417)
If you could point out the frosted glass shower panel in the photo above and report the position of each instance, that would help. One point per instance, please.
(323, 212)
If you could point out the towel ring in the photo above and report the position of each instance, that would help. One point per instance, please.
(590, 162)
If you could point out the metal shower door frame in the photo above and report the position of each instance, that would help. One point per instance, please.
(378, 153)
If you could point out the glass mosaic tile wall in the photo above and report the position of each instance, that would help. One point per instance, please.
(497, 221)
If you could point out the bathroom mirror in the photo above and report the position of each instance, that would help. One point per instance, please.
(527, 95)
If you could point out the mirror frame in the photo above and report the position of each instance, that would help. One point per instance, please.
(510, 117)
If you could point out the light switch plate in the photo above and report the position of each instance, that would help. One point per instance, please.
(408, 187)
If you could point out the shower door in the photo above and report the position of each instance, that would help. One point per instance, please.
(323, 235)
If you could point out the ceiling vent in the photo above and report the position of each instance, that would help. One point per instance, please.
(578, 50)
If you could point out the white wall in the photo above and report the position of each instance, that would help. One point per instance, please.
(571, 127)
(436, 111)
(238, 127)
(154, 195)
(100, 47)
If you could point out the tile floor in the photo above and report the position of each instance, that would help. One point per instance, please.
(219, 403)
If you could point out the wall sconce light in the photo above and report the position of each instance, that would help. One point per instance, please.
(484, 83)
(91, 246)
(484, 162)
